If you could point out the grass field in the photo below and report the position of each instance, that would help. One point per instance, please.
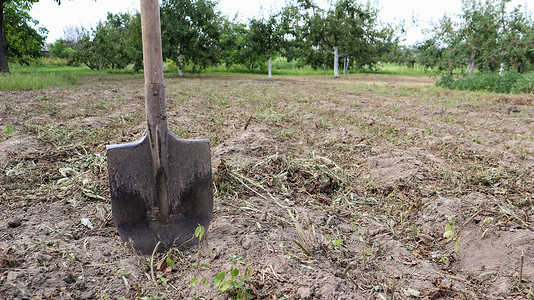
(56, 72)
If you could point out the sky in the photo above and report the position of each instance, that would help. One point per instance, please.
(87, 13)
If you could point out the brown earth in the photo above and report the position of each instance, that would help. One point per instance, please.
(324, 189)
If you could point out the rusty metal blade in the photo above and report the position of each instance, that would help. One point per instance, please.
(133, 192)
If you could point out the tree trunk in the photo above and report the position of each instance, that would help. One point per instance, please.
(270, 68)
(336, 63)
(471, 68)
(472, 64)
(100, 68)
(4, 67)
(346, 66)
(501, 70)
(180, 73)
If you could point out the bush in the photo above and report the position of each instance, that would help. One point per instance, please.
(510, 82)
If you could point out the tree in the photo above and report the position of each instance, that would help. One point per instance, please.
(238, 47)
(72, 34)
(25, 39)
(346, 30)
(190, 32)
(265, 38)
(22, 6)
(231, 41)
(431, 55)
(403, 55)
(135, 40)
(57, 49)
(482, 36)
(115, 43)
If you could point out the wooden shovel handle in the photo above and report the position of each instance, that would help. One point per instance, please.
(153, 68)
(151, 30)
(155, 100)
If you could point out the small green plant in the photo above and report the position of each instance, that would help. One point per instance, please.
(323, 124)
(451, 234)
(287, 133)
(180, 132)
(150, 297)
(200, 231)
(124, 275)
(445, 259)
(214, 140)
(334, 242)
(9, 129)
(235, 283)
(487, 222)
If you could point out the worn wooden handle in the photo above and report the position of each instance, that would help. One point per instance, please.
(153, 69)
(151, 30)
(155, 101)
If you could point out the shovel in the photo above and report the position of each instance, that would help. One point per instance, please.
(161, 186)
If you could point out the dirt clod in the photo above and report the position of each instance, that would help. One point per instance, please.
(14, 223)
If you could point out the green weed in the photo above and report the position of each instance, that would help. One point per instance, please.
(8, 131)
(234, 281)
(336, 243)
(451, 234)
(510, 82)
(199, 234)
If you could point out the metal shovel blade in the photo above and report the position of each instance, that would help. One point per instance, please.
(134, 191)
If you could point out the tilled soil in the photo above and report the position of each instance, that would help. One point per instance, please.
(365, 187)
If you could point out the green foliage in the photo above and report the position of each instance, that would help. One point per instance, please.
(485, 34)
(191, 32)
(264, 38)
(18, 38)
(252, 45)
(510, 82)
(445, 259)
(9, 129)
(195, 36)
(337, 243)
(23, 36)
(234, 280)
(351, 28)
(57, 49)
(36, 80)
(451, 234)
(114, 43)
(430, 55)
(232, 43)
(403, 55)
(199, 233)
